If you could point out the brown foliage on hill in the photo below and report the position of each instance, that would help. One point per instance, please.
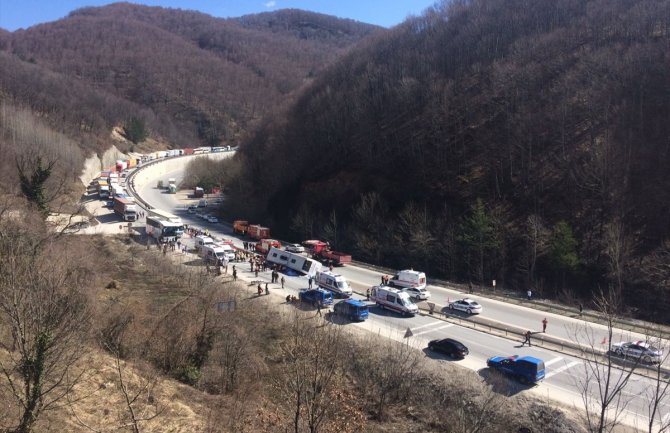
(191, 77)
(549, 111)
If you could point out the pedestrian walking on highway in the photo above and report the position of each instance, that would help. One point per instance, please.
(310, 282)
(267, 289)
(527, 340)
(367, 295)
(544, 324)
(234, 274)
(282, 282)
(529, 294)
(318, 308)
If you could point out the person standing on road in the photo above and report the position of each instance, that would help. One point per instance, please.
(310, 285)
(581, 309)
(318, 308)
(234, 274)
(544, 324)
(529, 294)
(527, 340)
(282, 282)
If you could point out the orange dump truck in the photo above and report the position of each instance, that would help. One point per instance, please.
(240, 226)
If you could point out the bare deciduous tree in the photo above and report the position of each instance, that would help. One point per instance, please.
(42, 304)
(602, 387)
(309, 373)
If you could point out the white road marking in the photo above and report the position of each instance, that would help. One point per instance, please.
(434, 329)
(437, 322)
(553, 361)
(560, 370)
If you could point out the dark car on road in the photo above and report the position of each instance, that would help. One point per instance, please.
(448, 346)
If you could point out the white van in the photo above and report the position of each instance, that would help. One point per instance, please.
(393, 299)
(229, 251)
(408, 278)
(333, 282)
(203, 241)
(213, 253)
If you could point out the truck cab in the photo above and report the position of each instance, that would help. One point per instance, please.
(526, 369)
(352, 309)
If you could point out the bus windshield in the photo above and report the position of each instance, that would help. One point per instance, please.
(173, 231)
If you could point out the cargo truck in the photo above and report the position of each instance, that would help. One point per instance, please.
(321, 251)
(125, 208)
(172, 185)
(258, 232)
(103, 189)
(121, 165)
(240, 226)
(263, 246)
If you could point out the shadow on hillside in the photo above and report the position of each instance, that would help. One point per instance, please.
(110, 218)
(503, 384)
(437, 355)
(378, 311)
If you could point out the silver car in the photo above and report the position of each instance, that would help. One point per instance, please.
(467, 305)
(417, 293)
(295, 248)
(638, 351)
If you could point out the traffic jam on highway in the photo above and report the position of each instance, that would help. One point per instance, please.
(400, 302)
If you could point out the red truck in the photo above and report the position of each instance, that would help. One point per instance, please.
(258, 232)
(321, 251)
(264, 245)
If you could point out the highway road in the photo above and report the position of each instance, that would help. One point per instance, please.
(565, 374)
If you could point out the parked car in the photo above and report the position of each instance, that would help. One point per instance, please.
(212, 219)
(295, 248)
(192, 209)
(448, 346)
(467, 305)
(638, 351)
(417, 292)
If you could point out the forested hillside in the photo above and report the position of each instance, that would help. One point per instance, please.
(191, 78)
(519, 140)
